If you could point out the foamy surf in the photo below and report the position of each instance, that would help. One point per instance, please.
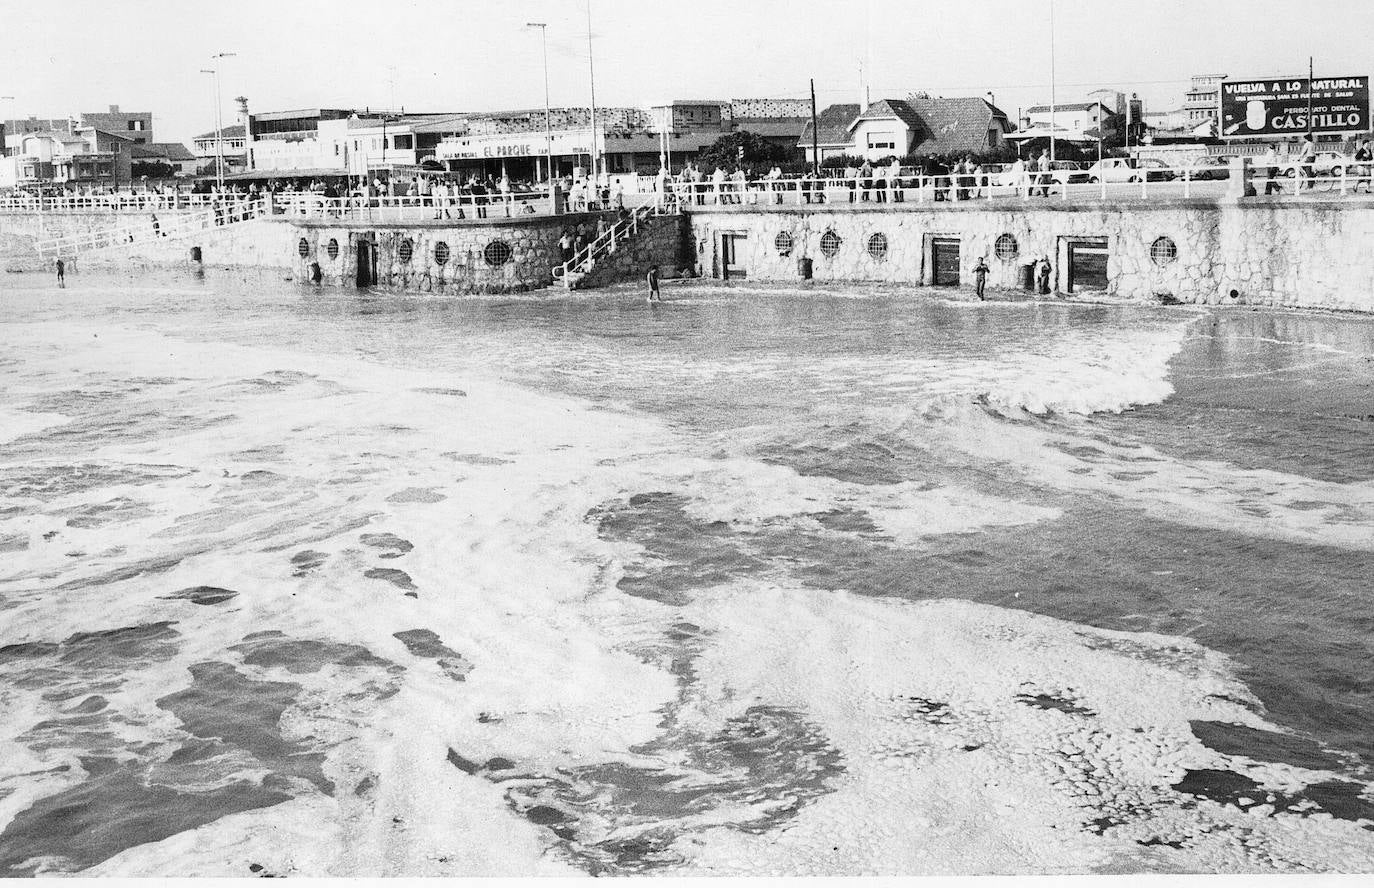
(305, 612)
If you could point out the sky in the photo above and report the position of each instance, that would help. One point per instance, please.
(61, 57)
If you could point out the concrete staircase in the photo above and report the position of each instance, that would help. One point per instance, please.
(147, 228)
(624, 251)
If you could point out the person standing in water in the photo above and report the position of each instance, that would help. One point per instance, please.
(652, 279)
(61, 273)
(980, 276)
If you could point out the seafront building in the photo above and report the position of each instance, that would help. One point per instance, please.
(526, 144)
(916, 125)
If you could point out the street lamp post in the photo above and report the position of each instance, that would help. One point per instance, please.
(548, 136)
(1052, 93)
(219, 119)
(591, 74)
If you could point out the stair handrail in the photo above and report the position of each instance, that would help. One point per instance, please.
(172, 227)
(604, 243)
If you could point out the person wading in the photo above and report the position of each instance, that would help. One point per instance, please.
(61, 273)
(980, 277)
(652, 279)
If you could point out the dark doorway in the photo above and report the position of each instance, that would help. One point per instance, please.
(944, 261)
(730, 264)
(1087, 265)
(367, 263)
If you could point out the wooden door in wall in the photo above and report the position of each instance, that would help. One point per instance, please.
(1087, 265)
(731, 264)
(944, 261)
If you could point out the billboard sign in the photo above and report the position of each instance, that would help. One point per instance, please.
(1277, 107)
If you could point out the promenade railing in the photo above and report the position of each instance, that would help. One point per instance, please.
(1012, 185)
(104, 203)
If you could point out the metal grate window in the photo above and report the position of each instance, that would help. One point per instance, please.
(1006, 248)
(303, 248)
(830, 244)
(497, 253)
(877, 246)
(332, 248)
(1163, 251)
(405, 250)
(441, 253)
(783, 242)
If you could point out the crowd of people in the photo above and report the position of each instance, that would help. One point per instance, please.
(962, 178)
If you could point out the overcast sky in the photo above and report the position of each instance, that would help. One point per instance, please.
(68, 56)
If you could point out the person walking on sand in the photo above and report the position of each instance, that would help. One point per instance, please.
(980, 277)
(61, 273)
(652, 279)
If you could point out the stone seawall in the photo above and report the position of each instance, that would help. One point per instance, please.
(1269, 252)
(494, 256)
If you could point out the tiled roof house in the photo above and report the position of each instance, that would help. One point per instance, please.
(915, 125)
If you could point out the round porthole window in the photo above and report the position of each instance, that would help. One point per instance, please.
(877, 246)
(441, 253)
(1163, 251)
(332, 248)
(405, 250)
(303, 248)
(783, 242)
(1006, 248)
(497, 253)
(830, 244)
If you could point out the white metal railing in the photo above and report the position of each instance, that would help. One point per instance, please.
(413, 208)
(583, 260)
(1145, 182)
(152, 228)
(122, 202)
(442, 208)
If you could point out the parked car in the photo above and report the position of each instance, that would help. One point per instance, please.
(1209, 168)
(1129, 169)
(1062, 172)
(1328, 163)
(1111, 170)
(1068, 172)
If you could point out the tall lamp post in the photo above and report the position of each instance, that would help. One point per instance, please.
(1052, 95)
(591, 74)
(548, 136)
(219, 118)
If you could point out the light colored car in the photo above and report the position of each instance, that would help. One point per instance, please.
(1129, 169)
(1328, 163)
(1111, 170)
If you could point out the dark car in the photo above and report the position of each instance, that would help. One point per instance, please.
(1210, 169)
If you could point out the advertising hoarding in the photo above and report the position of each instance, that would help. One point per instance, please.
(1278, 107)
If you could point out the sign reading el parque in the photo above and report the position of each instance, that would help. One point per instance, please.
(1278, 106)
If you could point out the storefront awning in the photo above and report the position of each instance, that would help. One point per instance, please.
(262, 175)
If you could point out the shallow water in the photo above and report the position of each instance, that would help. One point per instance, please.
(322, 582)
